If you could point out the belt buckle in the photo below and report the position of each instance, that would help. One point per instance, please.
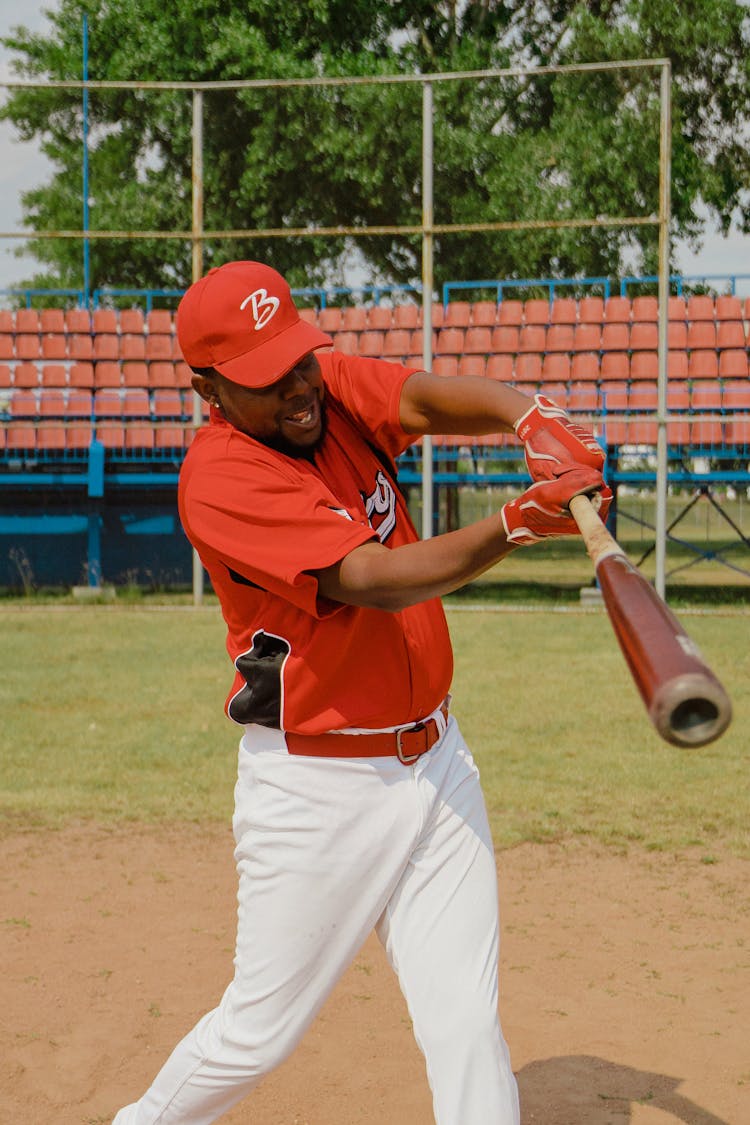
(407, 759)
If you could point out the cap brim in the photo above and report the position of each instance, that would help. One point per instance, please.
(263, 365)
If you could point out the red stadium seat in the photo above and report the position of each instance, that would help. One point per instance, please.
(28, 346)
(736, 395)
(536, 311)
(583, 396)
(559, 338)
(676, 308)
(51, 402)
(407, 316)
(587, 338)
(532, 338)
(701, 334)
(50, 436)
(54, 345)
(77, 321)
(161, 373)
(81, 375)
(504, 339)
(379, 318)
(51, 320)
(183, 375)
(159, 322)
(728, 307)
(472, 364)
(445, 365)
(347, 342)
(450, 341)
(615, 366)
(477, 341)
(706, 395)
(484, 314)
(678, 395)
(591, 310)
(644, 365)
(585, 367)
(104, 321)
(676, 334)
(564, 310)
(134, 373)
(135, 403)
(677, 364)
(644, 336)
(132, 346)
(5, 376)
(617, 310)
(555, 390)
(555, 367)
(106, 346)
(54, 375)
(80, 347)
(309, 314)
(159, 346)
(703, 365)
(26, 375)
(371, 343)
(733, 364)
(700, 307)
(615, 337)
(528, 368)
(27, 320)
(645, 309)
(500, 367)
(7, 346)
(510, 313)
(353, 319)
(730, 334)
(139, 437)
(107, 373)
(457, 314)
(23, 403)
(643, 396)
(329, 319)
(396, 342)
(132, 321)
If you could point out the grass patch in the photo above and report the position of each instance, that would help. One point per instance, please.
(115, 713)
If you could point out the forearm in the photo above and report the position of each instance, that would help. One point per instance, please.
(469, 405)
(377, 577)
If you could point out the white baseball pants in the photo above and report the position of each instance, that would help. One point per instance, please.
(327, 849)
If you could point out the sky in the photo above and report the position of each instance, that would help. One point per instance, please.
(23, 167)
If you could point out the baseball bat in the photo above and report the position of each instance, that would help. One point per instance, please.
(685, 701)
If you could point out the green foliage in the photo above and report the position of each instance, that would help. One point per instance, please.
(552, 147)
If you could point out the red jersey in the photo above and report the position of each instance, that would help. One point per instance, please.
(261, 521)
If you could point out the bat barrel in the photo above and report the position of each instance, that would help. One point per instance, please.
(685, 701)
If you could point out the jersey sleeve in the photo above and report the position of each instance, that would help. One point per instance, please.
(269, 527)
(370, 391)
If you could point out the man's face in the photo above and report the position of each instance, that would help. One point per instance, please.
(287, 415)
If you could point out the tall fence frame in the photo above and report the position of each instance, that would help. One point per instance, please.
(427, 229)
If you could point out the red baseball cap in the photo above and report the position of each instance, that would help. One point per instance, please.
(240, 318)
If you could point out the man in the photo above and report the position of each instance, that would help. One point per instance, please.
(358, 804)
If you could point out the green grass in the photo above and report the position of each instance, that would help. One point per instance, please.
(115, 713)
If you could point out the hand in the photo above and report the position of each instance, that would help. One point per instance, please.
(553, 442)
(542, 511)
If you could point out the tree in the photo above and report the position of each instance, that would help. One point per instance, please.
(558, 146)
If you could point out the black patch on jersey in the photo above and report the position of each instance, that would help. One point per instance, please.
(241, 580)
(259, 701)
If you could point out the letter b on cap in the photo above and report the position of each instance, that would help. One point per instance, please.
(262, 306)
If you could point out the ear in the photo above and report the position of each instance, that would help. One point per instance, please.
(204, 386)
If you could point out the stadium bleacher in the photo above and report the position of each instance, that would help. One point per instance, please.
(591, 353)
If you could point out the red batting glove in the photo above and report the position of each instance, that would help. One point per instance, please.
(542, 511)
(554, 442)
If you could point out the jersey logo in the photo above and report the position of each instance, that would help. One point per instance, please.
(262, 307)
(380, 507)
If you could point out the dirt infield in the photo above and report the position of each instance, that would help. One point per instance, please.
(625, 986)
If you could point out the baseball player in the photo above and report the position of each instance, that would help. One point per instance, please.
(358, 803)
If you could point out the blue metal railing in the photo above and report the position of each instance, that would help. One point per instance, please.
(550, 284)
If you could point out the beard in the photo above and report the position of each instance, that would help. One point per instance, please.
(292, 449)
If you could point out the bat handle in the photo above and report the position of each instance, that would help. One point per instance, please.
(599, 543)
